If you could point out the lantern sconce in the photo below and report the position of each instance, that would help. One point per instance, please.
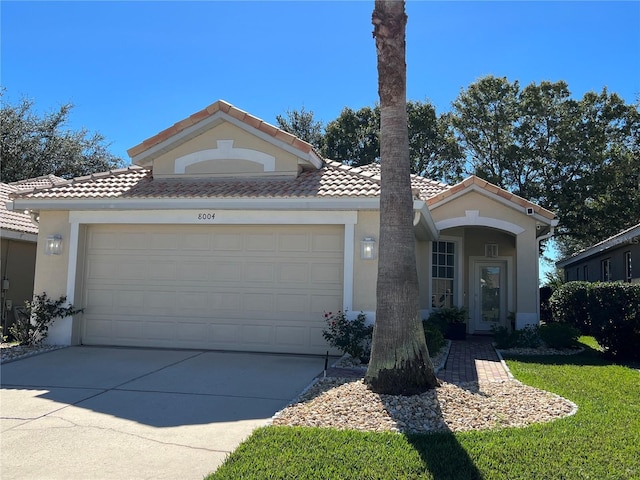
(367, 248)
(53, 246)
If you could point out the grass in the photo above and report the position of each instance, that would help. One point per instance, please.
(601, 441)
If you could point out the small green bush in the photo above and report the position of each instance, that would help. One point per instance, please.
(614, 311)
(40, 314)
(559, 335)
(503, 338)
(433, 336)
(610, 311)
(352, 337)
(570, 304)
(528, 337)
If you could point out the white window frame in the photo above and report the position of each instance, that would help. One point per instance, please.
(458, 294)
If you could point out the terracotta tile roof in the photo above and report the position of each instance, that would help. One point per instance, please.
(425, 186)
(14, 221)
(333, 180)
(489, 187)
(221, 106)
(38, 182)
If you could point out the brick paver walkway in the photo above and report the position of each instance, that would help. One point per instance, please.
(473, 360)
(470, 360)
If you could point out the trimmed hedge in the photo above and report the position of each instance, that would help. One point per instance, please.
(608, 311)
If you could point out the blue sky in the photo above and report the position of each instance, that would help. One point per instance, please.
(133, 69)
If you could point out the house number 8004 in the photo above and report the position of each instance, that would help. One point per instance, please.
(206, 216)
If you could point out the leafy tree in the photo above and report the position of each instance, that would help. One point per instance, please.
(352, 138)
(400, 362)
(434, 151)
(578, 158)
(302, 124)
(33, 145)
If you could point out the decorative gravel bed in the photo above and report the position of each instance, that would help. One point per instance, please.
(12, 351)
(347, 403)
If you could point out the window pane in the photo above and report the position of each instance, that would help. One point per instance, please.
(450, 247)
(450, 260)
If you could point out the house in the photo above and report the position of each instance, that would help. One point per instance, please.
(607, 261)
(18, 240)
(229, 233)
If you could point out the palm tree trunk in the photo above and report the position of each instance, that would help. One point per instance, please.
(400, 363)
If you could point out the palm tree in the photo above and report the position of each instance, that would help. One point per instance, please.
(400, 363)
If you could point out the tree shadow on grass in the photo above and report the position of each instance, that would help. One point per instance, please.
(444, 457)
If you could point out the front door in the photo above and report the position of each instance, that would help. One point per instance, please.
(490, 297)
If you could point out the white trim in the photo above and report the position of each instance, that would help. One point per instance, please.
(302, 203)
(347, 282)
(225, 151)
(222, 217)
(22, 236)
(473, 218)
(72, 266)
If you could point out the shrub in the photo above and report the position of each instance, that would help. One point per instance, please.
(33, 328)
(559, 335)
(570, 304)
(446, 317)
(433, 336)
(349, 336)
(614, 311)
(503, 337)
(528, 337)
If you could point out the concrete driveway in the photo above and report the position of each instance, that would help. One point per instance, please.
(123, 413)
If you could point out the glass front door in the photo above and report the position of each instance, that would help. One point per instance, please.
(490, 296)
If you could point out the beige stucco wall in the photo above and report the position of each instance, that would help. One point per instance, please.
(18, 260)
(365, 272)
(285, 163)
(486, 217)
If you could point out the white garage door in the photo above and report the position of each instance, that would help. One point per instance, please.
(252, 288)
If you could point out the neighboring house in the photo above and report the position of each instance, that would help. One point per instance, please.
(18, 238)
(611, 260)
(229, 233)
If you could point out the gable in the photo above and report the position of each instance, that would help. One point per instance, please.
(223, 141)
(226, 150)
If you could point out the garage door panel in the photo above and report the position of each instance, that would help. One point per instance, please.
(163, 241)
(293, 242)
(327, 243)
(226, 271)
(252, 288)
(294, 273)
(265, 242)
(260, 272)
(257, 334)
(326, 273)
(290, 335)
(230, 242)
(101, 269)
(196, 242)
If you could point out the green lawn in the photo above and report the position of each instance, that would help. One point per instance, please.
(601, 441)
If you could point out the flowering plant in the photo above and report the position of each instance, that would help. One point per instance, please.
(349, 336)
